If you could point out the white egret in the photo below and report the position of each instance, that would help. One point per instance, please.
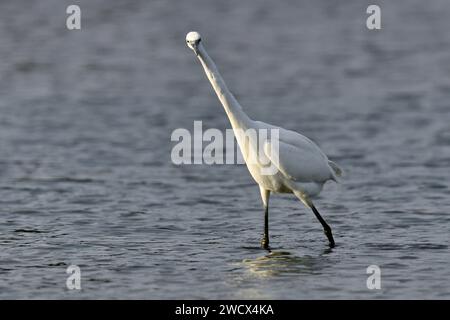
(302, 167)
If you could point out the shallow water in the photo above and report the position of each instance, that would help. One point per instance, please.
(85, 170)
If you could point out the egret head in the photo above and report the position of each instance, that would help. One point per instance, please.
(193, 38)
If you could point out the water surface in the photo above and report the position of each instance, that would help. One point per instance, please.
(85, 170)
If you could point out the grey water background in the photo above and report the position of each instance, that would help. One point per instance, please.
(86, 176)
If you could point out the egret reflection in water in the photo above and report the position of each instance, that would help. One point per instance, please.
(282, 263)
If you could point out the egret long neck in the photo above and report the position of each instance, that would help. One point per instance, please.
(236, 115)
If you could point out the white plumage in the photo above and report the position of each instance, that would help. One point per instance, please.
(302, 168)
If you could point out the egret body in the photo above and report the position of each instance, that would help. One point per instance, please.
(302, 168)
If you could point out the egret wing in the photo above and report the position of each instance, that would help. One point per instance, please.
(298, 162)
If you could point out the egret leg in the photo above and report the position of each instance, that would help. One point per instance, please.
(265, 239)
(265, 198)
(326, 227)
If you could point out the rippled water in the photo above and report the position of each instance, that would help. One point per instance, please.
(85, 170)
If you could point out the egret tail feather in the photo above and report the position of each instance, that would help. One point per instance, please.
(338, 171)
